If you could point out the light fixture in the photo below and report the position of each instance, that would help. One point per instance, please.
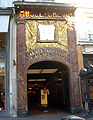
(17, 6)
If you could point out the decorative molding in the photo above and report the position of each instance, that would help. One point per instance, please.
(21, 22)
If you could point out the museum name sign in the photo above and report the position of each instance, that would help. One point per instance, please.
(29, 14)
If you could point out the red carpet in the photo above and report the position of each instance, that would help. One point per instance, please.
(36, 110)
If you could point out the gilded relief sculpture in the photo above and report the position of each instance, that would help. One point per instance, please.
(33, 35)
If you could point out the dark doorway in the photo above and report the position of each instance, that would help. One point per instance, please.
(54, 76)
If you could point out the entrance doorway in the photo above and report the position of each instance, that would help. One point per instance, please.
(53, 76)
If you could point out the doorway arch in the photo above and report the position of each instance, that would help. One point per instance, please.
(53, 75)
(47, 54)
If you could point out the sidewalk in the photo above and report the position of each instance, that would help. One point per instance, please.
(41, 117)
(47, 117)
(34, 117)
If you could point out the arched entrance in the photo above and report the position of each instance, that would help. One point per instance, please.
(47, 54)
(26, 58)
(54, 76)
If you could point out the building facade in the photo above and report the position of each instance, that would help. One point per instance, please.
(85, 43)
(7, 58)
(5, 16)
(46, 34)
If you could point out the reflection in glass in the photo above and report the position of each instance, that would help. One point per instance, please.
(2, 84)
(2, 41)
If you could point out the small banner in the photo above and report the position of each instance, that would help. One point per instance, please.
(44, 97)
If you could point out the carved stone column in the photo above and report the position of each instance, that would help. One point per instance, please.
(75, 97)
(21, 71)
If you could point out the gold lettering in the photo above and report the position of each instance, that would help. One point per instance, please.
(35, 56)
(46, 54)
(31, 57)
(27, 13)
(39, 14)
(49, 15)
(45, 14)
(30, 54)
(22, 14)
(44, 50)
(54, 14)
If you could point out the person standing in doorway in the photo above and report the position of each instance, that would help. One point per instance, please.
(44, 99)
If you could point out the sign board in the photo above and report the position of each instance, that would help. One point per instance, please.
(26, 14)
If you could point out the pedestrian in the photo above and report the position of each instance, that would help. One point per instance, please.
(44, 99)
(86, 108)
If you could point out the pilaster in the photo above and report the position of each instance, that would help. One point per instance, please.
(74, 85)
(21, 71)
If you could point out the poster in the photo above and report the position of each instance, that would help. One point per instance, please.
(44, 101)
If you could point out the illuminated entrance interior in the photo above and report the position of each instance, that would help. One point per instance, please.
(54, 76)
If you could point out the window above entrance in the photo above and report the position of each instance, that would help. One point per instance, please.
(90, 30)
(46, 33)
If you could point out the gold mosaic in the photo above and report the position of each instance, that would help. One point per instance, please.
(32, 34)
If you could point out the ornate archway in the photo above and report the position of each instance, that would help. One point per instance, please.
(27, 58)
(54, 76)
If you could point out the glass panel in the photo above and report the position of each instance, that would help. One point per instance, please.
(4, 23)
(2, 41)
(2, 84)
(90, 36)
(90, 29)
